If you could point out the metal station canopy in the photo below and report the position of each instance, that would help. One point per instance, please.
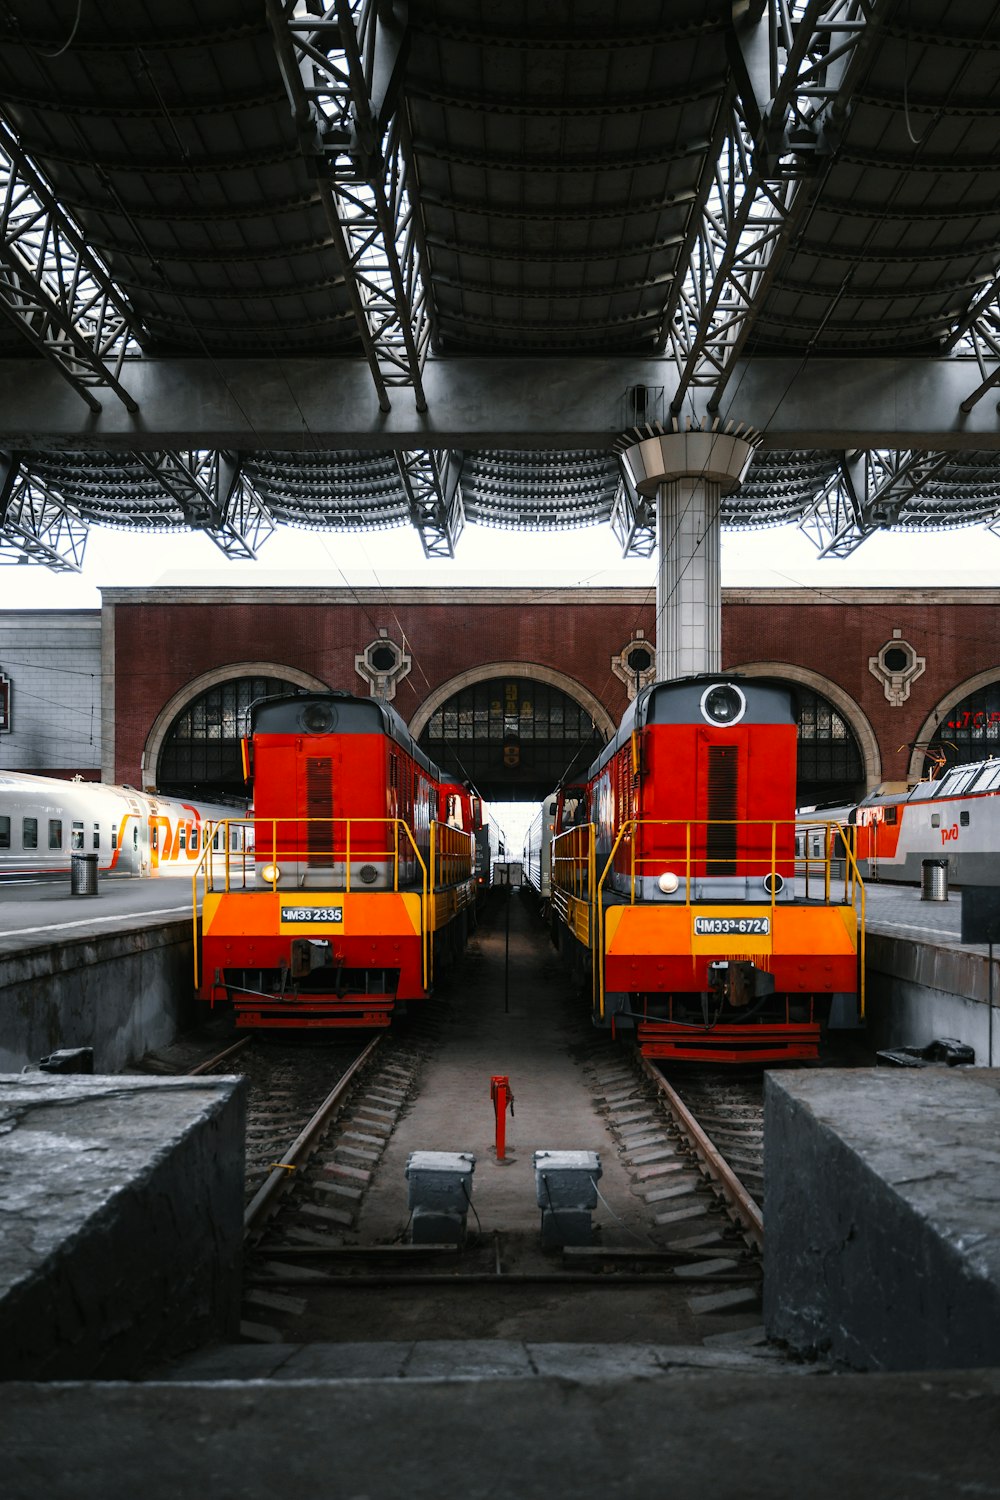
(368, 263)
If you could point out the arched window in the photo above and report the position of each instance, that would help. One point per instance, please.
(512, 736)
(969, 731)
(831, 766)
(201, 751)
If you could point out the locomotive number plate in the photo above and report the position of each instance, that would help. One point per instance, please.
(732, 926)
(312, 913)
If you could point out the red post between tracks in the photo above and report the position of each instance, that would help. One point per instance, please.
(503, 1099)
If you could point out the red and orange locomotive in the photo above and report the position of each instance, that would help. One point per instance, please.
(358, 880)
(675, 881)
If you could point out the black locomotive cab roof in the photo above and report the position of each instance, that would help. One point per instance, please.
(679, 702)
(286, 714)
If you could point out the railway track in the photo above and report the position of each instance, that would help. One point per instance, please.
(317, 1122)
(307, 1180)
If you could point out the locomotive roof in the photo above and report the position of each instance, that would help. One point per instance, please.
(354, 716)
(679, 702)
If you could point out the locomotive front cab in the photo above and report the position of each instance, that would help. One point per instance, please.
(330, 794)
(715, 774)
(358, 875)
(684, 898)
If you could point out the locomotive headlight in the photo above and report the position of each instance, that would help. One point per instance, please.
(723, 703)
(270, 873)
(318, 718)
(668, 882)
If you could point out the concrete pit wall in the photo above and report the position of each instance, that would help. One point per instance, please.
(121, 1222)
(122, 994)
(917, 992)
(882, 1211)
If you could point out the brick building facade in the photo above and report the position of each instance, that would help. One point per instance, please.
(893, 663)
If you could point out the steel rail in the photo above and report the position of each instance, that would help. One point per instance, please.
(736, 1195)
(214, 1062)
(303, 1142)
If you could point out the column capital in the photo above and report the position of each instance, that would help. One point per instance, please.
(655, 454)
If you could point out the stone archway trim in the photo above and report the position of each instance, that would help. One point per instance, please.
(529, 669)
(842, 702)
(944, 705)
(199, 685)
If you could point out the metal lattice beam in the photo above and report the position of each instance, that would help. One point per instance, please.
(55, 290)
(978, 335)
(215, 496)
(431, 482)
(869, 492)
(633, 521)
(342, 66)
(794, 77)
(37, 524)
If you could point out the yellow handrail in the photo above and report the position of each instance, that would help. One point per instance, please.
(568, 862)
(452, 849)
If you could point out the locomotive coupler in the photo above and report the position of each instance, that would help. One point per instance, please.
(309, 954)
(737, 982)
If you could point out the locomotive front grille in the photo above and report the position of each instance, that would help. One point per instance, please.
(319, 809)
(723, 801)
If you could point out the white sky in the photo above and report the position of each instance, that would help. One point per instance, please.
(776, 557)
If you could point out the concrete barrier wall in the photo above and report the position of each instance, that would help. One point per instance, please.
(882, 1215)
(917, 992)
(121, 993)
(121, 1222)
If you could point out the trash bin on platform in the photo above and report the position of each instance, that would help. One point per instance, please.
(933, 880)
(83, 874)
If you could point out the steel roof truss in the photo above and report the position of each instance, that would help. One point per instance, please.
(215, 496)
(37, 524)
(868, 492)
(633, 521)
(55, 290)
(434, 494)
(756, 196)
(342, 65)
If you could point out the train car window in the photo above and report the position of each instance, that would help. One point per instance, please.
(135, 838)
(935, 820)
(963, 819)
(97, 835)
(892, 814)
(217, 839)
(55, 833)
(4, 833)
(182, 838)
(29, 833)
(194, 838)
(154, 837)
(76, 837)
(114, 835)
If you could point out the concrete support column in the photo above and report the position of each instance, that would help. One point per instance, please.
(687, 473)
(688, 578)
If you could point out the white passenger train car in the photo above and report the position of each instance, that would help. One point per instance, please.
(538, 849)
(44, 821)
(955, 817)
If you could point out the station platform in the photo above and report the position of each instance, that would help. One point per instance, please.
(112, 972)
(35, 915)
